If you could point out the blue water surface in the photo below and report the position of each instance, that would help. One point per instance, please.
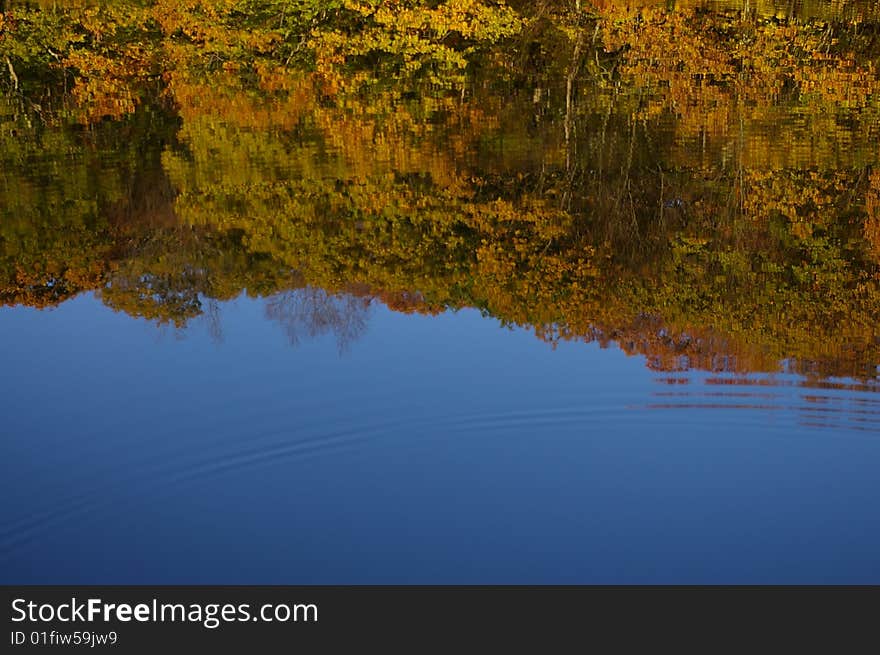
(443, 449)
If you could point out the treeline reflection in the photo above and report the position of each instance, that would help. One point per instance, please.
(694, 181)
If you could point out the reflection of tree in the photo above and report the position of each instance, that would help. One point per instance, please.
(212, 319)
(697, 186)
(312, 313)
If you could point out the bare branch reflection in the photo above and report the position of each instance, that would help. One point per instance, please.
(212, 317)
(310, 312)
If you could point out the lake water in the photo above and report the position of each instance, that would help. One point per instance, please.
(601, 307)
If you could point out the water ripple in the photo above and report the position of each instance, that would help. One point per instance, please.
(165, 466)
(829, 405)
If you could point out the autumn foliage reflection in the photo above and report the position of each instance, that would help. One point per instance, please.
(694, 181)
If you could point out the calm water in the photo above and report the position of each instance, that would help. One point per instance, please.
(599, 307)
